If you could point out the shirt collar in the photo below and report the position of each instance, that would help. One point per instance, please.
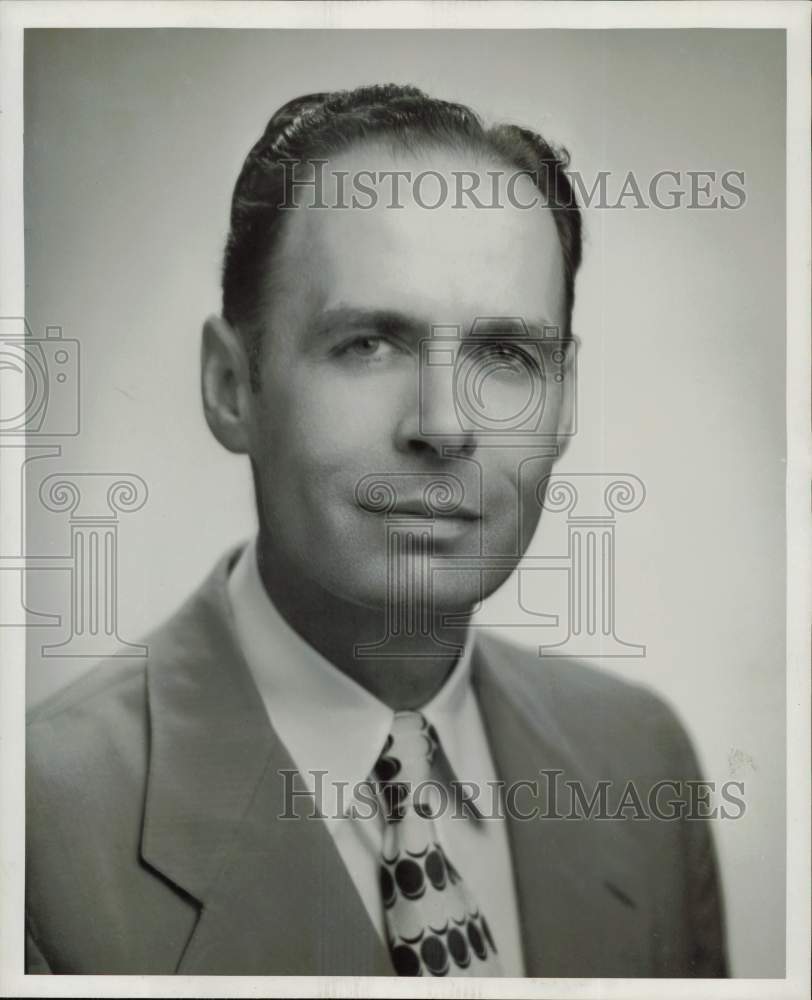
(327, 721)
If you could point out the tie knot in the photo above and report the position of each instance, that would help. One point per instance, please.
(409, 750)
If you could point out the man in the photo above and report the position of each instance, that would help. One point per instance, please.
(247, 801)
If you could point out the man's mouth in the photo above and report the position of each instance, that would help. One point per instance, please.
(438, 497)
(416, 508)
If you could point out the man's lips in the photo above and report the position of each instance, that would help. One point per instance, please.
(437, 496)
(416, 508)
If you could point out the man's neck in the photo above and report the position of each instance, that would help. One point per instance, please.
(337, 628)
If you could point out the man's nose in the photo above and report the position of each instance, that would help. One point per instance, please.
(433, 420)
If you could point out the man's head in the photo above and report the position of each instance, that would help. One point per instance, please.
(318, 367)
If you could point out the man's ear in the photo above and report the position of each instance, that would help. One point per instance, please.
(225, 385)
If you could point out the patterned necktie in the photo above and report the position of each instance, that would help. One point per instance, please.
(432, 922)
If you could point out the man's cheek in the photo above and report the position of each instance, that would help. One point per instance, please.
(510, 499)
(333, 406)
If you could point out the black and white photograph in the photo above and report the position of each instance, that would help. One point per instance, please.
(404, 568)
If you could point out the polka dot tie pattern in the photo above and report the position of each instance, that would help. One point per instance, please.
(434, 926)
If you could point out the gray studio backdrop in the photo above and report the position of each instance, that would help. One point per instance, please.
(133, 140)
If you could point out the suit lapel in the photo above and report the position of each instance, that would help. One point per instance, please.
(275, 895)
(582, 902)
(283, 902)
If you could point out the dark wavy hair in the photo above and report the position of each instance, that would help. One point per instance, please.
(318, 125)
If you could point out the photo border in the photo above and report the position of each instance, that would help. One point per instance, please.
(15, 17)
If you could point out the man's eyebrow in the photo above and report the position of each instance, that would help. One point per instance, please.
(500, 327)
(384, 321)
(349, 319)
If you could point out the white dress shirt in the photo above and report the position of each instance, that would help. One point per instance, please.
(329, 723)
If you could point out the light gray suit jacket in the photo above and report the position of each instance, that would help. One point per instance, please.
(154, 843)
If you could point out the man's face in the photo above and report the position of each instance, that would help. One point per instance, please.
(346, 393)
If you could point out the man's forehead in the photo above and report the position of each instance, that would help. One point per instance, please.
(431, 260)
(372, 178)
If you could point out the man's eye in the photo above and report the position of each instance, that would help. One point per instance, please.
(366, 345)
(510, 355)
(372, 348)
(499, 350)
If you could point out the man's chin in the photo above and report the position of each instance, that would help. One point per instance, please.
(412, 596)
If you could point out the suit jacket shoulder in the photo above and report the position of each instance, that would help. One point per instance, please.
(606, 723)
(640, 835)
(153, 841)
(87, 766)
